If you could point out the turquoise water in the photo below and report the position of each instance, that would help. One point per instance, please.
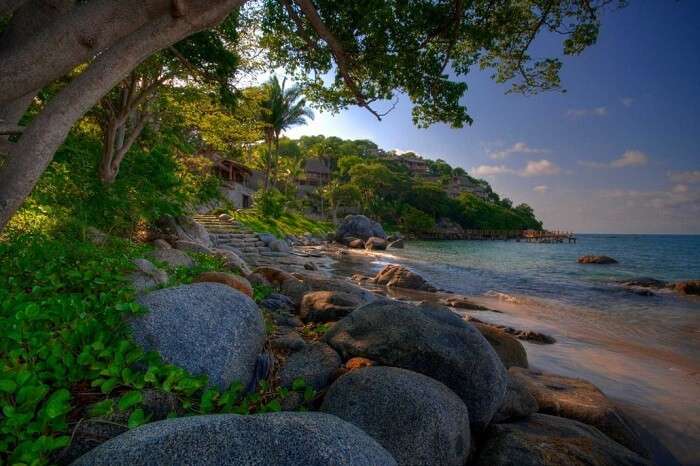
(643, 351)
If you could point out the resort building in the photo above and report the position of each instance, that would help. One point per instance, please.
(238, 182)
(316, 173)
(459, 184)
(416, 165)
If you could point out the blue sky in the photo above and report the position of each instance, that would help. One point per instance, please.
(619, 152)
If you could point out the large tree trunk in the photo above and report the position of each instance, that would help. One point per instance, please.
(29, 157)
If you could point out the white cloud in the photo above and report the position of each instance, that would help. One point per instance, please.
(517, 148)
(631, 158)
(689, 200)
(686, 177)
(586, 112)
(490, 170)
(540, 168)
(541, 189)
(627, 101)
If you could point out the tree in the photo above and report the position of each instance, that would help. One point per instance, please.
(283, 108)
(375, 50)
(338, 195)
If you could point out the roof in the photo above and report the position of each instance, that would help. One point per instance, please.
(316, 166)
(226, 163)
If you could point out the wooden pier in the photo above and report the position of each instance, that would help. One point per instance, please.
(546, 236)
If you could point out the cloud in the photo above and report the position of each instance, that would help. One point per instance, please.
(674, 198)
(627, 101)
(586, 112)
(541, 189)
(540, 168)
(490, 170)
(687, 177)
(517, 148)
(631, 158)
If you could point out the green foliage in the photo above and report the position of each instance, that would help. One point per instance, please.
(479, 214)
(289, 223)
(416, 221)
(270, 203)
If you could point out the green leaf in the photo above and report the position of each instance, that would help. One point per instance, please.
(7, 386)
(130, 399)
(298, 384)
(137, 418)
(58, 403)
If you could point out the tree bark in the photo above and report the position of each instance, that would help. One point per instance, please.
(30, 156)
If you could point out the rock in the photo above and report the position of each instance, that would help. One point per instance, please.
(173, 257)
(518, 402)
(398, 276)
(187, 229)
(317, 282)
(355, 243)
(509, 349)
(596, 260)
(397, 244)
(691, 287)
(327, 306)
(256, 279)
(310, 266)
(147, 276)
(232, 260)
(161, 244)
(313, 439)
(430, 340)
(95, 236)
(287, 339)
(279, 246)
(375, 243)
(417, 419)
(359, 226)
(87, 435)
(582, 401)
(358, 363)
(228, 247)
(191, 246)
(206, 328)
(542, 440)
(528, 335)
(460, 302)
(644, 282)
(267, 238)
(225, 218)
(160, 404)
(288, 284)
(234, 281)
(278, 302)
(314, 363)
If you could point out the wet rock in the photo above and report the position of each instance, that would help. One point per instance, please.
(206, 328)
(397, 244)
(354, 243)
(691, 287)
(580, 400)
(374, 243)
(644, 282)
(359, 226)
(430, 340)
(460, 302)
(398, 276)
(518, 402)
(596, 260)
(234, 281)
(527, 335)
(417, 419)
(543, 440)
(327, 306)
(509, 349)
(173, 257)
(313, 439)
(314, 364)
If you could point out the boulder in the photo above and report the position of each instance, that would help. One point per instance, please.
(359, 226)
(508, 348)
(688, 287)
(644, 282)
(161, 244)
(518, 402)
(191, 246)
(288, 284)
(596, 260)
(310, 266)
(358, 363)
(375, 243)
(206, 328)
(187, 229)
(225, 217)
(397, 244)
(582, 401)
(173, 257)
(543, 440)
(147, 276)
(234, 281)
(314, 363)
(460, 302)
(398, 276)
(417, 419)
(327, 306)
(354, 243)
(232, 260)
(266, 238)
(430, 340)
(313, 439)
(278, 302)
(287, 339)
(278, 246)
(317, 282)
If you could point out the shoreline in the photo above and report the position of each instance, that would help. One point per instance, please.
(657, 387)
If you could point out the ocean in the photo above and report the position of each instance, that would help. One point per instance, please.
(642, 351)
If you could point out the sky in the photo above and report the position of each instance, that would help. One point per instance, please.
(618, 152)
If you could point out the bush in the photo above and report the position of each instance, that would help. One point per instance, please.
(416, 221)
(270, 203)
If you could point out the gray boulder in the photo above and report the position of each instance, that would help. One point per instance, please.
(543, 440)
(375, 243)
(233, 261)
(359, 226)
(173, 257)
(328, 306)
(278, 246)
(278, 302)
(508, 348)
(206, 328)
(518, 402)
(430, 340)
(318, 282)
(266, 238)
(192, 246)
(417, 419)
(147, 276)
(161, 244)
(315, 363)
(281, 439)
(398, 276)
(187, 229)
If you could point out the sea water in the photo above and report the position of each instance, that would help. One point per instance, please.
(642, 351)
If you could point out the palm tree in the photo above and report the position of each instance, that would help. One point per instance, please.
(283, 108)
